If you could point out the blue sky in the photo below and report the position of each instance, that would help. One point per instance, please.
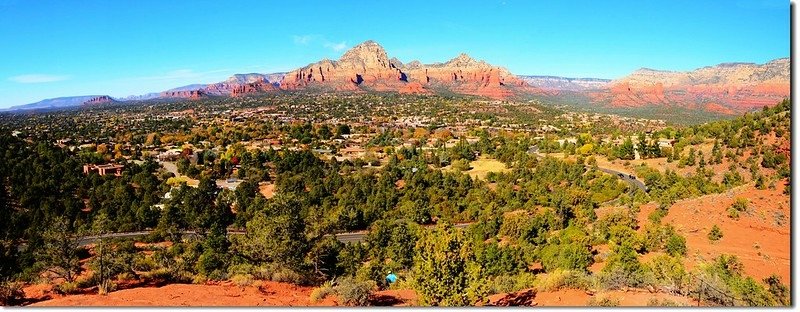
(120, 48)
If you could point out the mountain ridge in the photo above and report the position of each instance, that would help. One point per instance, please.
(728, 88)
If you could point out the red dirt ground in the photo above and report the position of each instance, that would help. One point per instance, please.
(281, 294)
(575, 297)
(756, 238)
(225, 294)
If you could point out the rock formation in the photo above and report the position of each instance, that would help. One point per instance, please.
(241, 84)
(368, 67)
(724, 88)
(99, 100)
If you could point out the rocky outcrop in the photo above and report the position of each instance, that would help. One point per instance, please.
(368, 67)
(99, 100)
(257, 86)
(724, 88)
(241, 84)
(465, 75)
(366, 64)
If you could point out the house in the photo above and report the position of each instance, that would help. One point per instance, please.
(567, 140)
(102, 170)
(352, 151)
(171, 155)
(665, 142)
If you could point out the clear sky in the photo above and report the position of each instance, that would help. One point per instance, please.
(120, 48)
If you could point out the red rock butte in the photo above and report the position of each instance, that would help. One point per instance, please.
(367, 66)
(725, 88)
(728, 88)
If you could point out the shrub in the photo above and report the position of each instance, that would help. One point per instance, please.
(210, 263)
(352, 292)
(217, 275)
(169, 276)
(461, 165)
(143, 263)
(654, 302)
(372, 271)
(721, 282)
(274, 272)
(199, 279)
(162, 274)
(572, 256)
(624, 269)
(658, 214)
(669, 272)
(287, 276)
(11, 293)
(778, 290)
(241, 268)
(602, 302)
(126, 276)
(733, 213)
(105, 287)
(740, 204)
(712, 288)
(558, 279)
(242, 279)
(676, 245)
(88, 281)
(715, 234)
(512, 283)
(656, 236)
(67, 288)
(322, 292)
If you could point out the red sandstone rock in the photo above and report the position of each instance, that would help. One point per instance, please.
(367, 66)
(99, 100)
(726, 88)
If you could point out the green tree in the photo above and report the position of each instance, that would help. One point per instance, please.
(59, 254)
(676, 245)
(442, 270)
(626, 150)
(214, 258)
(275, 238)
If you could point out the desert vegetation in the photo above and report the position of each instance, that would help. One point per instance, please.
(456, 204)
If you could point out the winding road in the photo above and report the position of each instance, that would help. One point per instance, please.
(627, 177)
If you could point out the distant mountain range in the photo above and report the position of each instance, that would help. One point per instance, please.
(555, 83)
(727, 88)
(65, 102)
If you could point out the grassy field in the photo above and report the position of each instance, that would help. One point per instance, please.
(481, 166)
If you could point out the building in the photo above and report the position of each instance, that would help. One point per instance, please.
(665, 143)
(171, 155)
(102, 170)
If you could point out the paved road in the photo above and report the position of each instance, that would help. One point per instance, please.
(534, 150)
